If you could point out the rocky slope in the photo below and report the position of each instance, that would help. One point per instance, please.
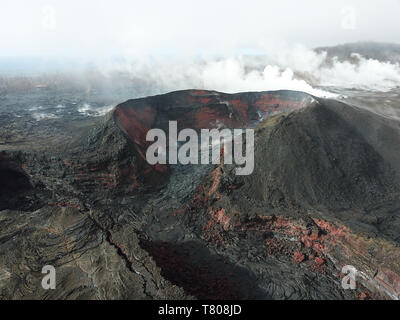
(384, 52)
(324, 194)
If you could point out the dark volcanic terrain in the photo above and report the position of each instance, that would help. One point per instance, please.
(80, 196)
(385, 52)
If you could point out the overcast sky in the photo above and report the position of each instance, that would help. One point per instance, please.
(217, 27)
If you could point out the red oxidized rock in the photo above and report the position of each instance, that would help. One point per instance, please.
(298, 257)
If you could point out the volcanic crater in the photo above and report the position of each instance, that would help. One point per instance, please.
(325, 193)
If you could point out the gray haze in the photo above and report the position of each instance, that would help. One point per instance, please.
(129, 28)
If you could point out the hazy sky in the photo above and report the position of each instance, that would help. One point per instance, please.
(217, 27)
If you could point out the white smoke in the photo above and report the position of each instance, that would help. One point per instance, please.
(38, 116)
(292, 68)
(360, 73)
(90, 111)
(234, 74)
(366, 74)
(230, 75)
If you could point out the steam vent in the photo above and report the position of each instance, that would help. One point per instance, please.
(324, 194)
